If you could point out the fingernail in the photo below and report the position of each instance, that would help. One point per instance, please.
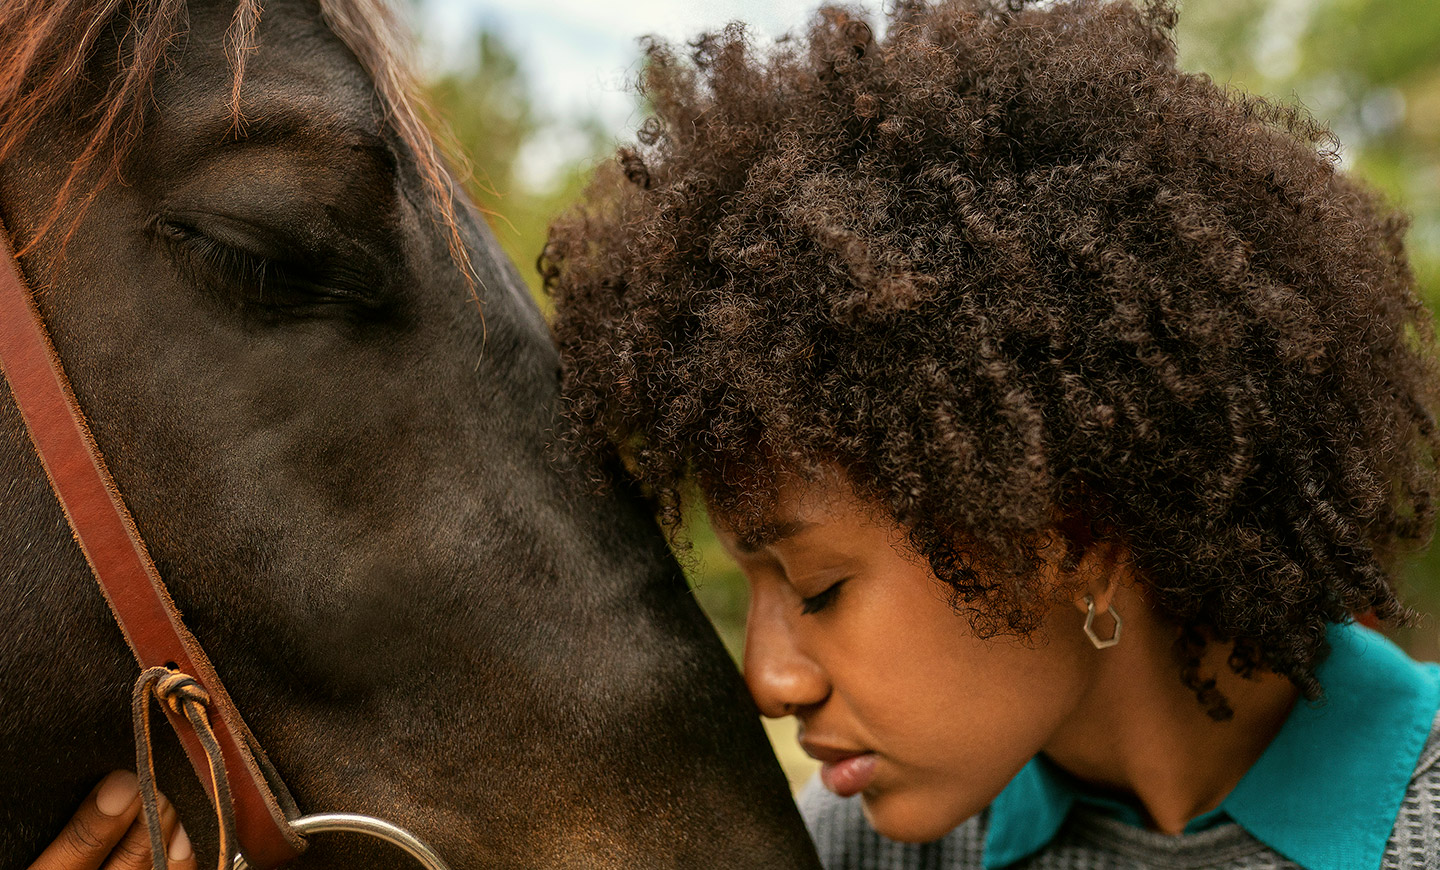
(117, 793)
(180, 844)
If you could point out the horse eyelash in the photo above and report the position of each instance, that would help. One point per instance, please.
(255, 273)
(219, 257)
(273, 283)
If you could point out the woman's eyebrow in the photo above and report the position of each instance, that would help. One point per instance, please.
(772, 534)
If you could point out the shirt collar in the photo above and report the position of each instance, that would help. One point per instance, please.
(1326, 791)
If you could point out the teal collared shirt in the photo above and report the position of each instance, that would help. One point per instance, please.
(1326, 791)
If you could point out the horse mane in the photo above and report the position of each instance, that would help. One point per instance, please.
(46, 46)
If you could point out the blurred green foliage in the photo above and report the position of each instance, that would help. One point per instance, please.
(492, 118)
(1371, 68)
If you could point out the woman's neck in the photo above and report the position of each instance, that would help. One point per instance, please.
(1140, 731)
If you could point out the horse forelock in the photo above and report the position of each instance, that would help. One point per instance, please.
(47, 45)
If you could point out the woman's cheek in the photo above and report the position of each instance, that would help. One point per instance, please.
(957, 727)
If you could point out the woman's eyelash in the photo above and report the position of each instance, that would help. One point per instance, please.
(820, 600)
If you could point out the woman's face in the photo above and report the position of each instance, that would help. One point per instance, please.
(849, 631)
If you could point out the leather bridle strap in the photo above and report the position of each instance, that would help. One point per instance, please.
(151, 623)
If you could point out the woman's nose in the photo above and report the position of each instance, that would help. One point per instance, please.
(782, 678)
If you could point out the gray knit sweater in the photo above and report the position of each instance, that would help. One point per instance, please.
(1091, 841)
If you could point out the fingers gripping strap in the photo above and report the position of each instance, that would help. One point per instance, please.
(179, 693)
(151, 623)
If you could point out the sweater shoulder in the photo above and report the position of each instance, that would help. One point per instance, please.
(1415, 840)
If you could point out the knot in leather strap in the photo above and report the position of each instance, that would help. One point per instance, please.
(225, 754)
(182, 694)
(177, 691)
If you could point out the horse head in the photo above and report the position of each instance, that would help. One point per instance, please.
(338, 447)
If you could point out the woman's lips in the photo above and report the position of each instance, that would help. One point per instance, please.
(843, 772)
(849, 777)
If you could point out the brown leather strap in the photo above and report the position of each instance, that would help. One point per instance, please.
(117, 555)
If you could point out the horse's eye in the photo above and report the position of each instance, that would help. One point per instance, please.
(217, 255)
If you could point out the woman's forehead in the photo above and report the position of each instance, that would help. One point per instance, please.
(792, 503)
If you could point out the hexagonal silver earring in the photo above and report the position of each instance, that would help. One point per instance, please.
(1100, 643)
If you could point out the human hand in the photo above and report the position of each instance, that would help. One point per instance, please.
(108, 832)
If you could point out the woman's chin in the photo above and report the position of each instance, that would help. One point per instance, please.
(912, 817)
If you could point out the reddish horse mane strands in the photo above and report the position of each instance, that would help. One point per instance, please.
(46, 46)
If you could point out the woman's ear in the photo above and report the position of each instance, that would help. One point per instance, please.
(1098, 572)
(1091, 565)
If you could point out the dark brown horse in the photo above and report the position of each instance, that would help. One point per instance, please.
(341, 464)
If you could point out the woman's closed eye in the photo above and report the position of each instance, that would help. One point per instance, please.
(821, 600)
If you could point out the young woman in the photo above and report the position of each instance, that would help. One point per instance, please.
(1065, 412)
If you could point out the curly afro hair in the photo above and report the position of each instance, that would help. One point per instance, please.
(1013, 271)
